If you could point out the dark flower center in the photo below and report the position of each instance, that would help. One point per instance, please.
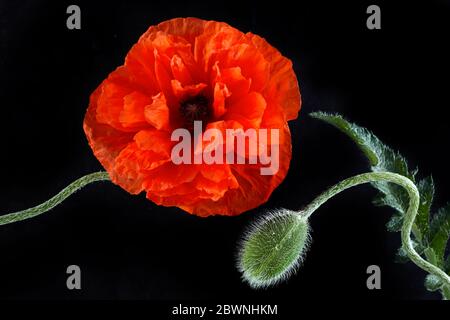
(195, 109)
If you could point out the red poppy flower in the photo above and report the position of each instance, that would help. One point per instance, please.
(183, 70)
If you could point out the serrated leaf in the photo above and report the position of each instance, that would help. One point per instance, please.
(447, 265)
(440, 232)
(432, 283)
(402, 257)
(366, 141)
(426, 190)
(432, 257)
(395, 223)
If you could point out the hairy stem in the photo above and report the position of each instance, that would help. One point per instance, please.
(414, 200)
(54, 201)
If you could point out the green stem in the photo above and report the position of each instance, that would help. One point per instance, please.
(54, 201)
(414, 200)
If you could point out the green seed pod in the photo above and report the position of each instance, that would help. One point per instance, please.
(273, 247)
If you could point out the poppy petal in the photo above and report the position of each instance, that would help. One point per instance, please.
(283, 86)
(248, 110)
(157, 113)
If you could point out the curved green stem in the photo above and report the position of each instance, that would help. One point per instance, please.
(54, 201)
(414, 200)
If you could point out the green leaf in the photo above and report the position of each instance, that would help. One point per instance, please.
(432, 283)
(426, 190)
(395, 223)
(402, 256)
(432, 257)
(447, 265)
(369, 144)
(440, 232)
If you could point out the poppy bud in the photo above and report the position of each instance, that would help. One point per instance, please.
(273, 247)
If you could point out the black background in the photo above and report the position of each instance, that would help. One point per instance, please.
(394, 81)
